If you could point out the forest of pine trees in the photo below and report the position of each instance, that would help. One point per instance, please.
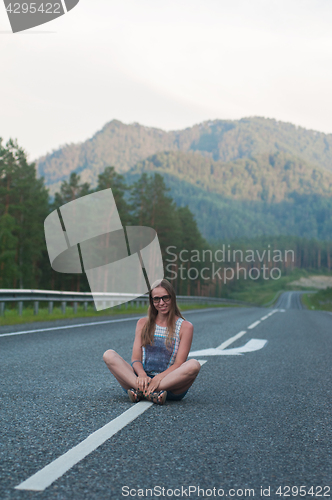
(25, 203)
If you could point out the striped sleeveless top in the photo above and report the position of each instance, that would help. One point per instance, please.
(158, 357)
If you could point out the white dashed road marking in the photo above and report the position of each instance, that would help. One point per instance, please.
(250, 327)
(51, 472)
(46, 476)
(56, 469)
(251, 345)
(231, 340)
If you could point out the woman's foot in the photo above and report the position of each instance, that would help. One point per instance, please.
(159, 398)
(134, 395)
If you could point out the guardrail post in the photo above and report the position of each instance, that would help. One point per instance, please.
(2, 308)
(35, 307)
(50, 307)
(85, 305)
(20, 308)
(63, 307)
(75, 307)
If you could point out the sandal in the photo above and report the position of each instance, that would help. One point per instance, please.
(158, 398)
(135, 396)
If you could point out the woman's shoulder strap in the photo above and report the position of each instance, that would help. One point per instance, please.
(178, 324)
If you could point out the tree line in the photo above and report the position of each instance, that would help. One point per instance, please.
(25, 203)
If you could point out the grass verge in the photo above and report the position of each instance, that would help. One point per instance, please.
(266, 292)
(11, 316)
(321, 300)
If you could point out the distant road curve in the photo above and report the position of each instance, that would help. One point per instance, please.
(290, 300)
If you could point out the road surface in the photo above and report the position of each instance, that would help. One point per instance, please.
(256, 423)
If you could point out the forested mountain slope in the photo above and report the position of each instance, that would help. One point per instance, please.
(222, 218)
(270, 194)
(124, 145)
(240, 178)
(267, 177)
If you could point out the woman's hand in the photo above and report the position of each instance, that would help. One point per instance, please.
(142, 382)
(154, 384)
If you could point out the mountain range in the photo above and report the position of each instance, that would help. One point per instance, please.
(240, 178)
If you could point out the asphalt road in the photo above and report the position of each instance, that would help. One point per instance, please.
(290, 300)
(252, 420)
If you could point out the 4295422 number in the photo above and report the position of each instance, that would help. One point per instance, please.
(34, 8)
(301, 491)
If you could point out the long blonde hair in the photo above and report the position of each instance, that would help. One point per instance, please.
(149, 327)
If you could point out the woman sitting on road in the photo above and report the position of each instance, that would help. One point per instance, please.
(159, 368)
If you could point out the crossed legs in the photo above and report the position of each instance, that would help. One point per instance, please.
(178, 381)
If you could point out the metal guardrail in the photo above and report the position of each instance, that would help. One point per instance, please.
(109, 299)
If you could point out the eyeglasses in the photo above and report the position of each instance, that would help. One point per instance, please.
(165, 298)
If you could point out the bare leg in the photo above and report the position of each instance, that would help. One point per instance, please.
(121, 370)
(182, 378)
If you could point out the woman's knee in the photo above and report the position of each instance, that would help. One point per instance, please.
(193, 367)
(109, 356)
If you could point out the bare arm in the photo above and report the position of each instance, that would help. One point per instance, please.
(142, 378)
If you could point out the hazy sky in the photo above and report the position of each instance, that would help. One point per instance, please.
(167, 64)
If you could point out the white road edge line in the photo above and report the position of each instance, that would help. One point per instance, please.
(94, 323)
(231, 340)
(46, 476)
